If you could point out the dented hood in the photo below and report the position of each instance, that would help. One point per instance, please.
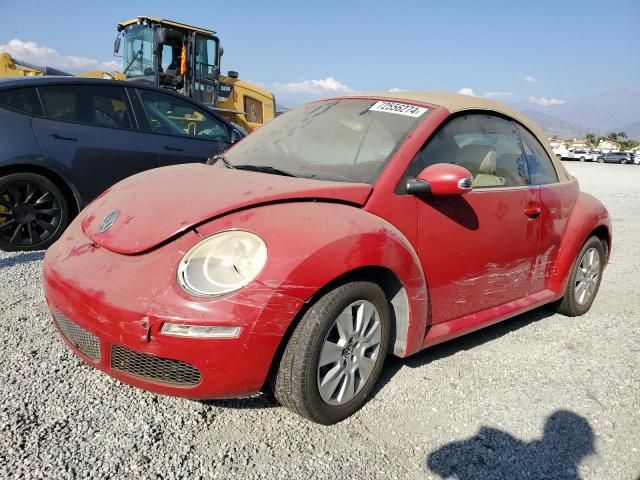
(159, 204)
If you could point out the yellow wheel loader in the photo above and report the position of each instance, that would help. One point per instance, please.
(187, 59)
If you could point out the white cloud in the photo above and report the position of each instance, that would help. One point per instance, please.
(324, 86)
(44, 56)
(530, 79)
(498, 94)
(396, 90)
(467, 91)
(545, 102)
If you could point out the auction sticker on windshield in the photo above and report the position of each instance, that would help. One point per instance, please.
(399, 108)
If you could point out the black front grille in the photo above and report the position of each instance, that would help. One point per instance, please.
(84, 341)
(160, 370)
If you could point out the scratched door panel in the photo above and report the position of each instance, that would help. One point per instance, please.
(477, 250)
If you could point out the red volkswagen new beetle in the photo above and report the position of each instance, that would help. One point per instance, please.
(340, 232)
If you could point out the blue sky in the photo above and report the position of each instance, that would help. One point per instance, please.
(542, 51)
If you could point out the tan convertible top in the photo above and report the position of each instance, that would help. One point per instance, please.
(455, 102)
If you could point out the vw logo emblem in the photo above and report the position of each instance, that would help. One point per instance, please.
(108, 221)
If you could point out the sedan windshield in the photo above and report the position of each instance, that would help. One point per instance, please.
(348, 140)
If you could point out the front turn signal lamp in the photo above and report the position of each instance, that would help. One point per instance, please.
(199, 331)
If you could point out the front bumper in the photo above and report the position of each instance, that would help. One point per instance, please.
(109, 309)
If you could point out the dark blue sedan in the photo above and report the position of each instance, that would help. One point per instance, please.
(64, 140)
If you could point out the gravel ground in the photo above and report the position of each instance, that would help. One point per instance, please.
(538, 396)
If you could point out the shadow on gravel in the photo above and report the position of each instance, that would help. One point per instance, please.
(494, 454)
(260, 400)
(465, 342)
(20, 258)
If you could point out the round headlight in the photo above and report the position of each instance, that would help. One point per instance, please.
(222, 263)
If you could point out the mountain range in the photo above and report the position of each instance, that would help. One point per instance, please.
(614, 111)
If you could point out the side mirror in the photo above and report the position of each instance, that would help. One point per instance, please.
(441, 179)
(233, 74)
(116, 45)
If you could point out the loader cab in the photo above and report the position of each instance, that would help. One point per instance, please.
(171, 55)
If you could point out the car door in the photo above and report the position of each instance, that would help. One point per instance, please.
(477, 250)
(556, 203)
(181, 131)
(89, 131)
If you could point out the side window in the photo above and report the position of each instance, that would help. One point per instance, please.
(486, 145)
(253, 110)
(171, 116)
(541, 169)
(23, 100)
(99, 105)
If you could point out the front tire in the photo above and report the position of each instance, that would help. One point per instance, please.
(584, 280)
(33, 212)
(334, 357)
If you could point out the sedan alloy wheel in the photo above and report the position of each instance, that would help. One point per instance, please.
(33, 212)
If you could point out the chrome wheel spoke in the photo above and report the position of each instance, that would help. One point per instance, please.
(6, 224)
(331, 353)
(365, 365)
(347, 388)
(344, 324)
(581, 274)
(45, 196)
(364, 315)
(331, 381)
(16, 232)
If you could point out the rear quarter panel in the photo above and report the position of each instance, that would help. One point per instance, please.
(585, 214)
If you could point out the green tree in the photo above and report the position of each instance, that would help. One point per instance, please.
(592, 140)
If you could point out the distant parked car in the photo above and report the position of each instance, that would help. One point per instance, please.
(582, 155)
(617, 157)
(64, 140)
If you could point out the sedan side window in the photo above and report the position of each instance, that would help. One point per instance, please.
(171, 116)
(99, 105)
(541, 168)
(486, 145)
(23, 100)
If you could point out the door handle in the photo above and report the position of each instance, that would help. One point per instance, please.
(61, 137)
(172, 149)
(532, 212)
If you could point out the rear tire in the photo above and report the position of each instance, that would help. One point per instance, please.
(584, 280)
(33, 212)
(328, 369)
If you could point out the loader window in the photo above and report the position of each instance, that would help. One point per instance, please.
(253, 110)
(138, 53)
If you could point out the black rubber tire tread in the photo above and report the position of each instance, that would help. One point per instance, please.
(568, 305)
(295, 385)
(55, 191)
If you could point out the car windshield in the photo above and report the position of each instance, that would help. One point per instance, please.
(348, 140)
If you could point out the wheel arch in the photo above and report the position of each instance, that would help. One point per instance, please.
(395, 292)
(68, 189)
(588, 218)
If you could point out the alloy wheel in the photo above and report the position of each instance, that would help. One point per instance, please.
(349, 353)
(29, 213)
(586, 281)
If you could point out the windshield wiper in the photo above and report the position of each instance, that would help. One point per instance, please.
(264, 168)
(252, 168)
(135, 57)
